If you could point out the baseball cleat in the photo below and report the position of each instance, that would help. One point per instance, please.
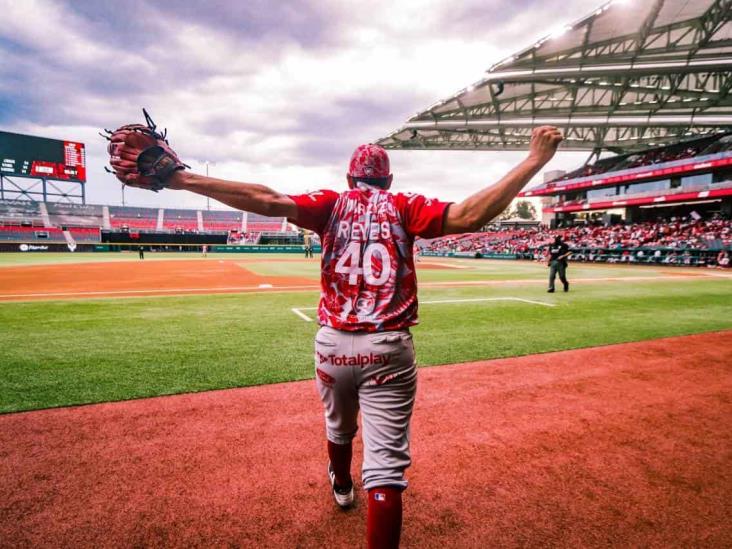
(566, 286)
(343, 496)
(550, 291)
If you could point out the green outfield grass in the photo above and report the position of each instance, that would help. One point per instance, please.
(56, 353)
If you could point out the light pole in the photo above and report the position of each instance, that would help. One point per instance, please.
(208, 163)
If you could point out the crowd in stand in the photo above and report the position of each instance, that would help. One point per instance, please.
(678, 240)
(678, 151)
(238, 237)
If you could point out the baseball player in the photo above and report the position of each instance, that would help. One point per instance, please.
(364, 354)
(307, 240)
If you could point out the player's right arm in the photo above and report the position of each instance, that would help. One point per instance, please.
(250, 197)
(474, 212)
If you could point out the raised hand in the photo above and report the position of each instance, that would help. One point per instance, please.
(544, 143)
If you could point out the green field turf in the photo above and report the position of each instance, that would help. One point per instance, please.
(56, 353)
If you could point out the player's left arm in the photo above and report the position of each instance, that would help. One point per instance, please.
(251, 197)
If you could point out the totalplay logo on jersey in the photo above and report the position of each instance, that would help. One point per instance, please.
(370, 359)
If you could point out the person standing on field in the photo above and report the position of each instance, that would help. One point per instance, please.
(364, 354)
(307, 240)
(557, 263)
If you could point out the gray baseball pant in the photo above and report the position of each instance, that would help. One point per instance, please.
(557, 267)
(375, 372)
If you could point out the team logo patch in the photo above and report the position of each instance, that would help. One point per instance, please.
(380, 380)
(327, 379)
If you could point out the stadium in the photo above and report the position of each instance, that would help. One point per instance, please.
(156, 364)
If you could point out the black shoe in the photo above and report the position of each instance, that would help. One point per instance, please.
(566, 286)
(550, 291)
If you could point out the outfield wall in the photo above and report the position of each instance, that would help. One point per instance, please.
(139, 237)
(472, 255)
(263, 248)
(35, 247)
(666, 256)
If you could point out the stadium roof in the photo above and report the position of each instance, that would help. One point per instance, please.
(632, 74)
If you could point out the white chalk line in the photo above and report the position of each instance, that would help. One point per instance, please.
(164, 290)
(299, 310)
(718, 275)
(487, 299)
(302, 315)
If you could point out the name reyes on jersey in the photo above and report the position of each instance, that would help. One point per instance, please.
(364, 232)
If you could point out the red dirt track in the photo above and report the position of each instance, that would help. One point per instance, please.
(625, 445)
(130, 278)
(195, 276)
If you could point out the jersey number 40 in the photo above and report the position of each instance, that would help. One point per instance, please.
(350, 264)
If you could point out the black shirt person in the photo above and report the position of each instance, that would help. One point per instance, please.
(558, 254)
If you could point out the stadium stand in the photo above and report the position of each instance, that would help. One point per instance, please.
(688, 178)
(259, 223)
(21, 213)
(18, 233)
(683, 241)
(85, 235)
(221, 221)
(238, 237)
(679, 151)
(133, 217)
(74, 215)
(83, 223)
(180, 220)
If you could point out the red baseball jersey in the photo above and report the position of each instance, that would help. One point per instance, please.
(367, 278)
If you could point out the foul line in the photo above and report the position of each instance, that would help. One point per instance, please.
(302, 315)
(299, 310)
(247, 289)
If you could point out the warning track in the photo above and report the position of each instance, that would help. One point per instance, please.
(625, 445)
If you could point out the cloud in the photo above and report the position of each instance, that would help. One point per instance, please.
(273, 92)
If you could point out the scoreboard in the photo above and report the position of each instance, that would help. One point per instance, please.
(31, 156)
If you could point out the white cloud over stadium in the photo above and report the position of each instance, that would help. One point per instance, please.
(276, 93)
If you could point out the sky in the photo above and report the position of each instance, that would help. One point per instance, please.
(278, 93)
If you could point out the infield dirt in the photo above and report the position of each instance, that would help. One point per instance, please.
(195, 276)
(131, 278)
(625, 445)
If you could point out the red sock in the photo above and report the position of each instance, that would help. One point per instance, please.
(340, 460)
(384, 518)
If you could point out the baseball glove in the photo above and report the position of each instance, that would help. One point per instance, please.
(141, 156)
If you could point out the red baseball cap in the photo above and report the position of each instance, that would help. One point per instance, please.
(369, 161)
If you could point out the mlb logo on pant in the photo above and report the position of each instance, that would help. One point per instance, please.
(380, 496)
